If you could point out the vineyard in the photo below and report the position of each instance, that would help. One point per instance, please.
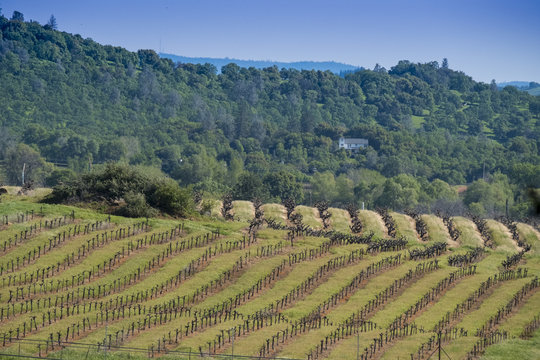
(267, 281)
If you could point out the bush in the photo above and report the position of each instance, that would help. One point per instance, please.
(60, 176)
(206, 207)
(167, 196)
(138, 188)
(136, 206)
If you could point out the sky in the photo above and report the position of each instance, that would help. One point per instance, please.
(486, 39)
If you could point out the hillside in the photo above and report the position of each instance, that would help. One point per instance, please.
(332, 66)
(76, 283)
(70, 104)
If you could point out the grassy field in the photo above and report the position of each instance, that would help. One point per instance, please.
(176, 288)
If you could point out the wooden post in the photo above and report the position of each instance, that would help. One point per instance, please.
(23, 169)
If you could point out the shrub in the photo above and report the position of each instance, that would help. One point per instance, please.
(139, 188)
(136, 206)
(167, 196)
(60, 176)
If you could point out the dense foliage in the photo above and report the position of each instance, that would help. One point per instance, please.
(130, 191)
(265, 132)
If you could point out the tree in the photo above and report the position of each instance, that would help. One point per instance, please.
(344, 189)
(310, 117)
(493, 85)
(7, 141)
(439, 189)
(445, 63)
(248, 187)
(282, 185)
(167, 196)
(399, 193)
(491, 196)
(534, 106)
(52, 23)
(112, 150)
(36, 169)
(324, 186)
(17, 16)
(114, 182)
(136, 206)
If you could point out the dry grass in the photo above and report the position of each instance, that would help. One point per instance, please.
(437, 231)
(340, 220)
(311, 216)
(372, 223)
(243, 210)
(469, 233)
(530, 235)
(276, 212)
(405, 227)
(501, 236)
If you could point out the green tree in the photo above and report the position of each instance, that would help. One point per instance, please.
(167, 196)
(344, 190)
(112, 150)
(492, 196)
(399, 193)
(444, 63)
(52, 24)
(283, 185)
(248, 187)
(324, 186)
(17, 16)
(35, 167)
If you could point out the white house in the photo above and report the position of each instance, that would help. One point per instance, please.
(352, 143)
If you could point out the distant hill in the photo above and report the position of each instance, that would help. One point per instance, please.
(333, 66)
(532, 87)
(535, 91)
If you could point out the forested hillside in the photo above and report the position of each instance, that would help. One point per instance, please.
(267, 133)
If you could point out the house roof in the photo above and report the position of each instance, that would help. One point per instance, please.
(356, 141)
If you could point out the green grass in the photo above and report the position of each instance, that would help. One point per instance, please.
(305, 342)
(417, 121)
(323, 292)
(347, 349)
(489, 307)
(515, 349)
(488, 266)
(517, 322)
(215, 211)
(403, 347)
(409, 297)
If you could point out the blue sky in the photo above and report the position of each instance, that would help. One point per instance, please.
(487, 39)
